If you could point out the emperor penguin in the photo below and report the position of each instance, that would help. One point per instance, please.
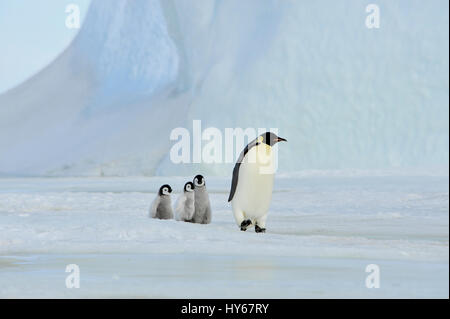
(202, 213)
(162, 207)
(252, 183)
(184, 207)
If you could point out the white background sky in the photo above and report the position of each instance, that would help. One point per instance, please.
(32, 34)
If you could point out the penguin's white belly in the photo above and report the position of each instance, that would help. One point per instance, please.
(255, 183)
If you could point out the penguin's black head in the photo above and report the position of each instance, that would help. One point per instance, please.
(189, 187)
(199, 180)
(165, 190)
(270, 139)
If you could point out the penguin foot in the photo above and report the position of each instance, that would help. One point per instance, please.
(245, 224)
(259, 229)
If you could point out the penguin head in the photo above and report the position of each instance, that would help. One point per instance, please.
(269, 138)
(165, 190)
(199, 180)
(189, 187)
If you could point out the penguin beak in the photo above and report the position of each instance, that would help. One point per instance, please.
(280, 139)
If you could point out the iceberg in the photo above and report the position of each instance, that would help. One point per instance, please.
(344, 95)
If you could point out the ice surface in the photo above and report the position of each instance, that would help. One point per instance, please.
(345, 96)
(323, 230)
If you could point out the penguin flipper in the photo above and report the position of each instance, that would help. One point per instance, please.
(234, 181)
(179, 207)
(154, 207)
(207, 218)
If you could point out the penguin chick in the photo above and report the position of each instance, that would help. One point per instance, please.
(184, 207)
(162, 207)
(252, 184)
(202, 213)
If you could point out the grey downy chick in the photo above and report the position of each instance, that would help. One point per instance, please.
(162, 206)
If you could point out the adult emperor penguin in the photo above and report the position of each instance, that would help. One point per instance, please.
(252, 184)
(162, 207)
(184, 207)
(202, 214)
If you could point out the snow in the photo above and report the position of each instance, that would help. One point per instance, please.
(345, 96)
(323, 230)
